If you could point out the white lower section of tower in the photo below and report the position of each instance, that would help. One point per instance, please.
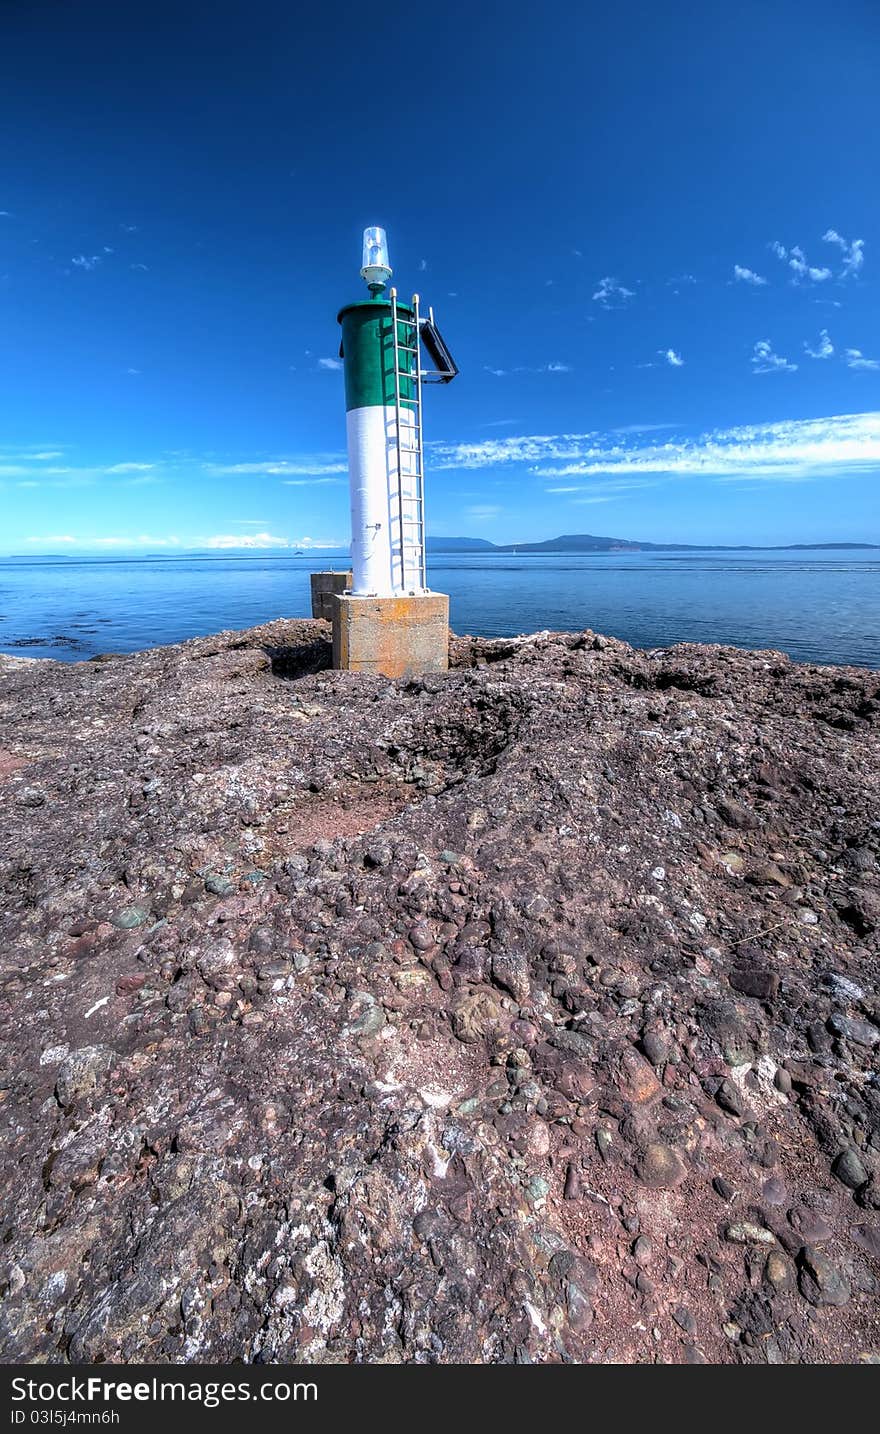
(386, 545)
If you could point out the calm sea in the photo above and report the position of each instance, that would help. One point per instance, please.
(818, 607)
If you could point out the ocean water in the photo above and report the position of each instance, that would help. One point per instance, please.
(816, 606)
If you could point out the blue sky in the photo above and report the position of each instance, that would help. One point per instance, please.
(651, 235)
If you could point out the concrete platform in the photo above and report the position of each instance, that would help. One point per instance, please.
(396, 636)
(324, 585)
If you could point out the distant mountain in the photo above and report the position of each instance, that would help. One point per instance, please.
(459, 545)
(590, 543)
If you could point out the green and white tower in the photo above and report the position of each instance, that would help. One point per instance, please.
(381, 623)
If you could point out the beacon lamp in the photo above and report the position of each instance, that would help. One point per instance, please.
(376, 269)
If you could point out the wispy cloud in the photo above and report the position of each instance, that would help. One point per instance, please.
(824, 348)
(612, 295)
(672, 358)
(853, 255)
(554, 367)
(139, 540)
(261, 540)
(309, 468)
(789, 451)
(764, 360)
(332, 364)
(147, 540)
(856, 359)
(483, 510)
(86, 261)
(310, 482)
(748, 276)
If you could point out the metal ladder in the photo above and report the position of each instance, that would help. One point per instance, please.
(410, 505)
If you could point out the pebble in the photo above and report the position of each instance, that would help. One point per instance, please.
(779, 1272)
(723, 1188)
(537, 1189)
(572, 1190)
(819, 1280)
(842, 987)
(643, 1250)
(655, 1044)
(129, 917)
(729, 1098)
(219, 885)
(809, 1224)
(80, 1073)
(849, 1169)
(659, 1167)
(744, 1232)
(850, 1028)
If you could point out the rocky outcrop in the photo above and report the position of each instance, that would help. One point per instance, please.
(526, 1013)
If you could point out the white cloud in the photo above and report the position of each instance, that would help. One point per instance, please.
(495, 372)
(141, 540)
(856, 359)
(802, 271)
(555, 367)
(332, 364)
(672, 358)
(824, 348)
(130, 468)
(764, 360)
(243, 540)
(797, 262)
(281, 467)
(747, 276)
(853, 255)
(86, 261)
(790, 451)
(262, 540)
(611, 294)
(423, 264)
(309, 482)
(483, 510)
(218, 540)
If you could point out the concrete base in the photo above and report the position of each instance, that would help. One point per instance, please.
(396, 636)
(324, 585)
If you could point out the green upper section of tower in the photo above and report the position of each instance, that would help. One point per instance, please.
(368, 352)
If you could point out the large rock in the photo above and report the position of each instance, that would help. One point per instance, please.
(348, 1020)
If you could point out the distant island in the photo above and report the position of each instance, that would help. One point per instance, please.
(590, 543)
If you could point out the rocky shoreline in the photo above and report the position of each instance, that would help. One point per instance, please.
(526, 1013)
